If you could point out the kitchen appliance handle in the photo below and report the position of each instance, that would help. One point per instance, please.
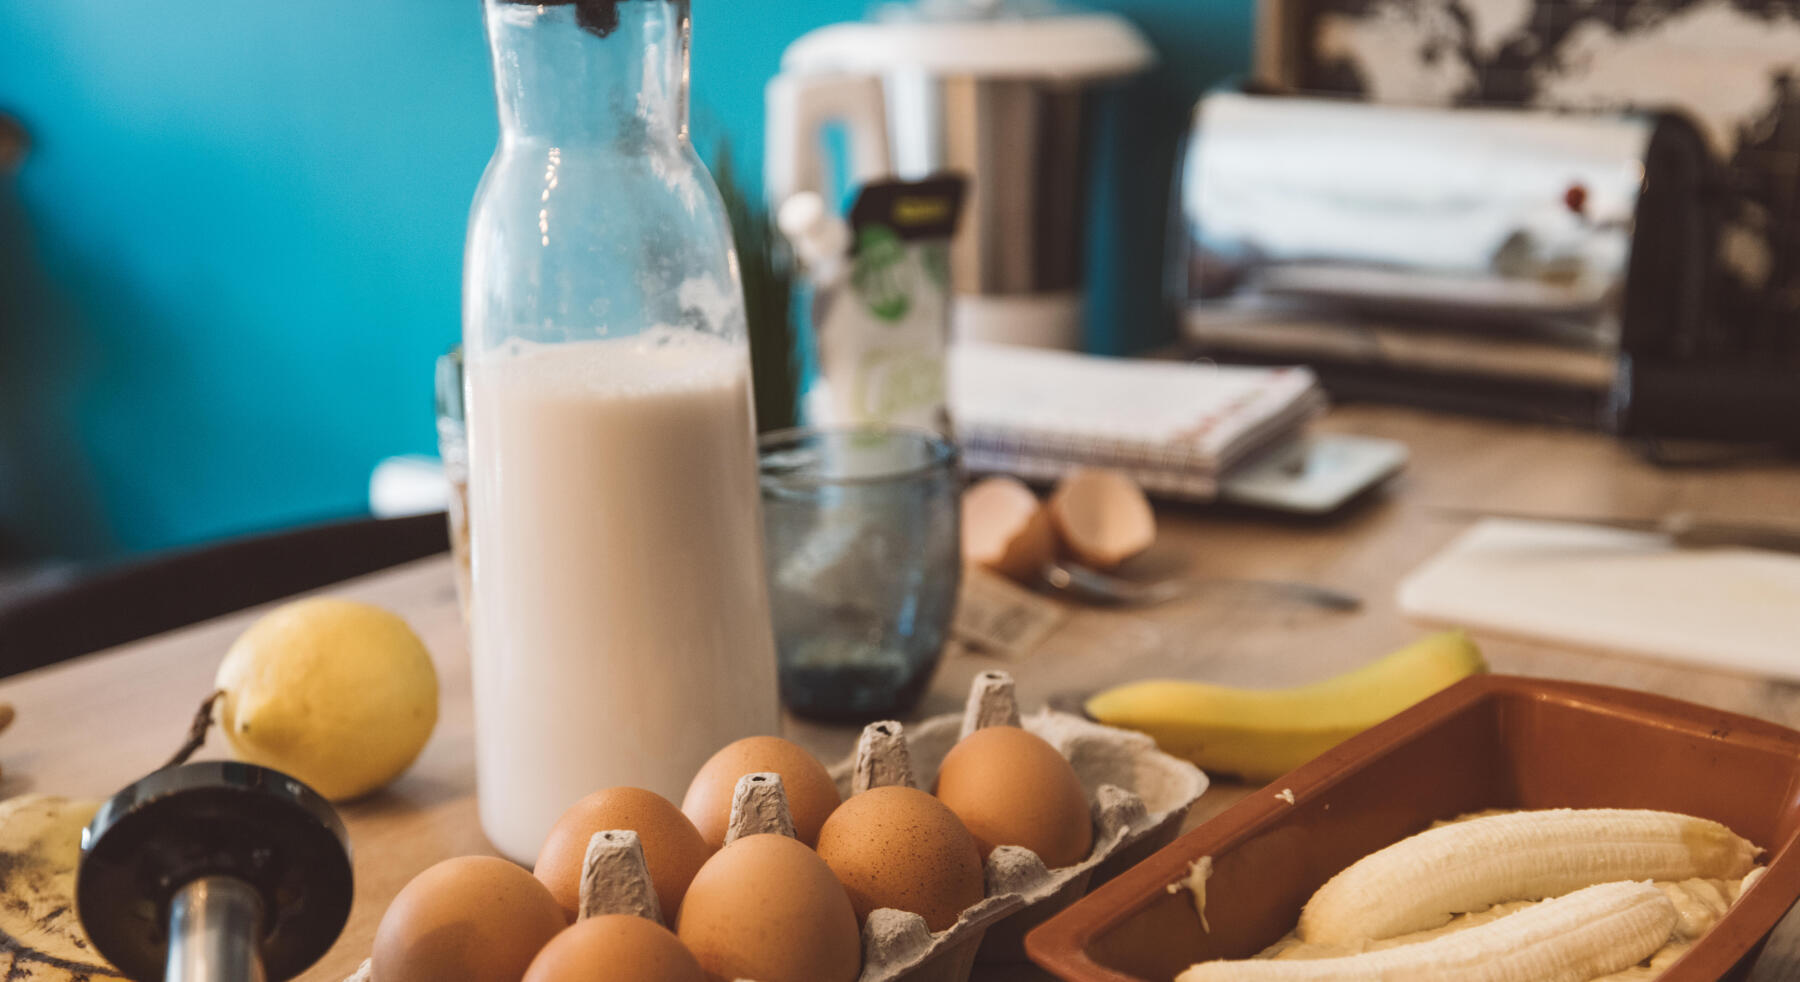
(800, 106)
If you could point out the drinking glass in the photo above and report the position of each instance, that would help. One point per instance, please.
(862, 527)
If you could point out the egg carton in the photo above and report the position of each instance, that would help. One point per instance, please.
(1137, 794)
(1137, 797)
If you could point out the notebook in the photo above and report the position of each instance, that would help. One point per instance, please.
(1175, 427)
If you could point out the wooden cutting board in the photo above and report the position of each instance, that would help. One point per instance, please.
(1616, 591)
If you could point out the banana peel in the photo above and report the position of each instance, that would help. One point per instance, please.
(1262, 734)
(41, 939)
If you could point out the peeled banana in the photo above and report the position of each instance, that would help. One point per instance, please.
(40, 937)
(1262, 734)
(1420, 882)
(1574, 938)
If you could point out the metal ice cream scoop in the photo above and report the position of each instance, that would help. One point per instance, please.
(214, 872)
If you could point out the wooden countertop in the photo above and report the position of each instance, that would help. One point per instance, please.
(88, 726)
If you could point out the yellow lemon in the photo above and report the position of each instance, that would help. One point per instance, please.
(339, 694)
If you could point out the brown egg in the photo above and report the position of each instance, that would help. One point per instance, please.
(1102, 516)
(473, 919)
(767, 908)
(811, 793)
(901, 848)
(617, 948)
(1011, 788)
(673, 848)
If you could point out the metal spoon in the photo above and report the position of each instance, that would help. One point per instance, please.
(1093, 586)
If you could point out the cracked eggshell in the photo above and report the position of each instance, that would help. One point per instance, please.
(1005, 529)
(1101, 516)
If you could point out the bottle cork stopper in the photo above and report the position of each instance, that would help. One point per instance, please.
(882, 759)
(991, 702)
(615, 879)
(759, 805)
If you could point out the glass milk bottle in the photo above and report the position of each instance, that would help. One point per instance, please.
(620, 625)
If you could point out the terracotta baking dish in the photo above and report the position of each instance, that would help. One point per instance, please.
(1492, 741)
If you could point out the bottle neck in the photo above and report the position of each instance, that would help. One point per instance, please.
(591, 71)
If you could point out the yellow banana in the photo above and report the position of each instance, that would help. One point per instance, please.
(40, 937)
(1262, 734)
(1419, 882)
(1586, 934)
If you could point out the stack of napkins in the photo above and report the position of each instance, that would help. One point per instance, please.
(1175, 427)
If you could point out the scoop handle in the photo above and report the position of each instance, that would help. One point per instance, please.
(214, 925)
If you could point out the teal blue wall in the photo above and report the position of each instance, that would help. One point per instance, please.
(235, 248)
